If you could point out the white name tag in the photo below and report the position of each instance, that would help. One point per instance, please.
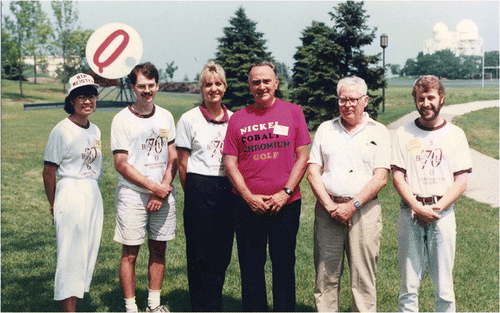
(163, 133)
(280, 130)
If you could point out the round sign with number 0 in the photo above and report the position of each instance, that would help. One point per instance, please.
(113, 50)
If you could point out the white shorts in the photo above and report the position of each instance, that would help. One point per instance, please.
(132, 220)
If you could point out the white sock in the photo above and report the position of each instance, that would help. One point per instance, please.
(130, 305)
(154, 298)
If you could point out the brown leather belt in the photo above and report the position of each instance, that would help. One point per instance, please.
(338, 199)
(428, 200)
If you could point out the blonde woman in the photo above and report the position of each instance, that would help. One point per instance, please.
(208, 206)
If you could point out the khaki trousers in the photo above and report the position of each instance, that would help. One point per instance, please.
(361, 244)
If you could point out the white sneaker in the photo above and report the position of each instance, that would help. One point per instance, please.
(160, 308)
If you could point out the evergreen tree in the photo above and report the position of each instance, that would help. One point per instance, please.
(240, 46)
(314, 73)
(328, 54)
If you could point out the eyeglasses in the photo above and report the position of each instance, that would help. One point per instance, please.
(352, 101)
(83, 98)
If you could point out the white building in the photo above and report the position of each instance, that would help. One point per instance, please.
(464, 41)
(53, 62)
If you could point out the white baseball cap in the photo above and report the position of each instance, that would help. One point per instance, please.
(80, 80)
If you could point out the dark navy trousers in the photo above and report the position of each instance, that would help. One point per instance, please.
(209, 229)
(253, 234)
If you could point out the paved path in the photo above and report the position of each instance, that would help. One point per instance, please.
(483, 185)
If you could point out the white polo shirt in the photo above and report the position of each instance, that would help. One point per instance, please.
(205, 139)
(349, 159)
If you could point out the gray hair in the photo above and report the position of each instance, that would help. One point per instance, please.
(263, 63)
(353, 80)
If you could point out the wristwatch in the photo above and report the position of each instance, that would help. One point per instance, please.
(357, 204)
(288, 191)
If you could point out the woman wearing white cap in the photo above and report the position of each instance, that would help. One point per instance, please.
(73, 159)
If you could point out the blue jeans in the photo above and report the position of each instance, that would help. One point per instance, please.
(431, 246)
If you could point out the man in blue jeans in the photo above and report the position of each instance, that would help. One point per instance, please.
(430, 163)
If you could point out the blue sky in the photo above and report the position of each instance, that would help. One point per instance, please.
(186, 31)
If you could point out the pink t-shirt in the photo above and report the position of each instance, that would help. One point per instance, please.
(265, 142)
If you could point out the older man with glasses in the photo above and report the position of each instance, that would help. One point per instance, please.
(348, 166)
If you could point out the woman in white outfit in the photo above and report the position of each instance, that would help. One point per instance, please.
(72, 167)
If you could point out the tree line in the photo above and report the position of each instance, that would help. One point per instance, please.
(29, 33)
(327, 53)
(445, 64)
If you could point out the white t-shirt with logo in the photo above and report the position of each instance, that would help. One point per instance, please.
(76, 150)
(205, 140)
(145, 139)
(431, 158)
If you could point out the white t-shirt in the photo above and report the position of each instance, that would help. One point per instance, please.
(205, 140)
(76, 150)
(145, 139)
(430, 158)
(349, 159)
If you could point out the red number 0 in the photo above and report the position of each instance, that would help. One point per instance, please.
(115, 54)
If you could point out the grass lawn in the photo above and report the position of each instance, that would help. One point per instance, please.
(481, 129)
(29, 250)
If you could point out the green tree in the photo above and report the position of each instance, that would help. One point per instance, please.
(491, 59)
(470, 66)
(410, 68)
(443, 64)
(329, 53)
(20, 29)
(395, 69)
(283, 72)
(38, 35)
(10, 52)
(425, 63)
(66, 22)
(315, 72)
(196, 78)
(240, 46)
(76, 60)
(170, 70)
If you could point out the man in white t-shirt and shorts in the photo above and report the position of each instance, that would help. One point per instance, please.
(142, 141)
(430, 165)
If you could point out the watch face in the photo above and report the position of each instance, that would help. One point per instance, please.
(288, 191)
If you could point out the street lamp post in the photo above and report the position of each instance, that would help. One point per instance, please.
(384, 42)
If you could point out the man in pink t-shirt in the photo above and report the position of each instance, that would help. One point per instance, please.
(266, 153)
